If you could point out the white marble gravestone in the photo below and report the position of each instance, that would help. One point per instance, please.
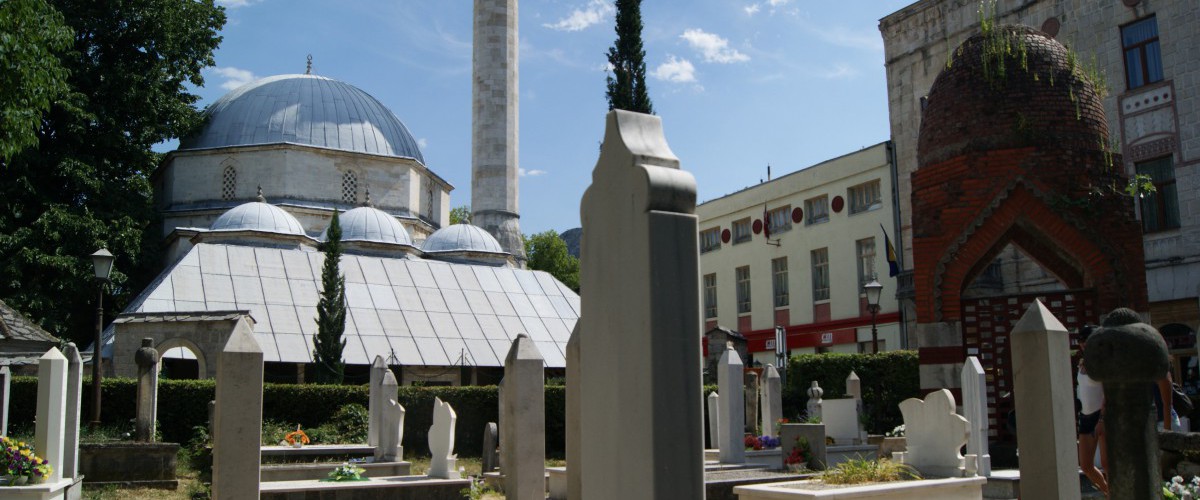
(51, 410)
(934, 434)
(5, 385)
(70, 463)
(374, 401)
(237, 419)
(443, 461)
(390, 423)
(772, 401)
(974, 390)
(714, 420)
(732, 419)
(524, 445)
(642, 424)
(1045, 405)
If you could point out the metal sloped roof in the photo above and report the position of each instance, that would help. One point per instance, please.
(429, 313)
(15, 326)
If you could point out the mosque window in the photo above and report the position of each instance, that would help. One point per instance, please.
(229, 183)
(1143, 63)
(349, 187)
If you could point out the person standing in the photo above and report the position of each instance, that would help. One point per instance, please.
(1090, 419)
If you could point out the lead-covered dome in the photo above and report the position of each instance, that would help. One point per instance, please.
(462, 238)
(258, 216)
(304, 109)
(371, 225)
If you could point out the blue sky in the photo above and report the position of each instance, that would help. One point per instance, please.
(739, 84)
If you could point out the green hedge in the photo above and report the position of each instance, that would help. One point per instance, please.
(183, 404)
(887, 379)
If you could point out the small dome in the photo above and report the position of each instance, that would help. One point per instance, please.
(304, 109)
(258, 216)
(371, 225)
(462, 238)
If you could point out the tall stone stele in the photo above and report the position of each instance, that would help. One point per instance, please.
(494, 124)
(375, 402)
(147, 359)
(70, 464)
(524, 443)
(5, 385)
(237, 419)
(714, 420)
(731, 419)
(443, 462)
(974, 389)
(51, 410)
(390, 423)
(751, 393)
(1128, 356)
(772, 400)
(640, 328)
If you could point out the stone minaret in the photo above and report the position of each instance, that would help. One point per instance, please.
(494, 124)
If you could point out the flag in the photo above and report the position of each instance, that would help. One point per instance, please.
(766, 223)
(893, 266)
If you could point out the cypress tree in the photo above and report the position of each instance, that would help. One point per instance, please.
(627, 83)
(331, 311)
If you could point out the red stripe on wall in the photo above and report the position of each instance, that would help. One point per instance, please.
(940, 355)
(809, 335)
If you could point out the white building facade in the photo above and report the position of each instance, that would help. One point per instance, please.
(795, 251)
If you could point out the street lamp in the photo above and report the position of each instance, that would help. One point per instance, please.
(872, 290)
(102, 262)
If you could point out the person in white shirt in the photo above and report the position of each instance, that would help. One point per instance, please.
(1091, 421)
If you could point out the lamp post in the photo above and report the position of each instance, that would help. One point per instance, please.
(872, 290)
(102, 262)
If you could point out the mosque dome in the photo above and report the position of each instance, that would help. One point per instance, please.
(371, 225)
(304, 109)
(258, 216)
(461, 238)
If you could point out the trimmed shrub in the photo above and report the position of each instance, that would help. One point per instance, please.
(887, 379)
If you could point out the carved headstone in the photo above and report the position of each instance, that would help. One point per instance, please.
(5, 385)
(1127, 356)
(491, 438)
(854, 391)
(751, 392)
(70, 463)
(643, 300)
(814, 400)
(772, 401)
(934, 434)
(51, 410)
(729, 384)
(714, 420)
(443, 463)
(1045, 405)
(375, 402)
(147, 392)
(390, 426)
(974, 389)
(237, 453)
(524, 445)
(854, 386)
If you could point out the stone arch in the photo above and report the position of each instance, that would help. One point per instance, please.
(173, 342)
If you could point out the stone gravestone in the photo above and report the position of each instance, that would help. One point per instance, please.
(974, 390)
(5, 385)
(524, 444)
(390, 423)
(772, 401)
(854, 391)
(51, 410)
(813, 433)
(237, 452)
(491, 436)
(374, 401)
(1045, 405)
(814, 400)
(751, 392)
(636, 396)
(147, 392)
(1127, 356)
(934, 435)
(714, 420)
(729, 382)
(443, 463)
(70, 463)
(574, 454)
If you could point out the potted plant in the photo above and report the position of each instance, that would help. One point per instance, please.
(799, 457)
(296, 438)
(20, 463)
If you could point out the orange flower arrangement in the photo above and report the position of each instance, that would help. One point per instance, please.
(296, 435)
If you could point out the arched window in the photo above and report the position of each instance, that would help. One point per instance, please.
(229, 183)
(350, 187)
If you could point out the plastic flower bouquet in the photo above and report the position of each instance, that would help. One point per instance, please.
(347, 472)
(1178, 489)
(801, 454)
(18, 460)
(296, 437)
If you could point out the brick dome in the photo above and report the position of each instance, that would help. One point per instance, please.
(975, 107)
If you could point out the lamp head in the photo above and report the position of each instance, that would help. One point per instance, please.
(102, 262)
(873, 290)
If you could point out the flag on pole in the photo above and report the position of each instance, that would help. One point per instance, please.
(893, 265)
(766, 221)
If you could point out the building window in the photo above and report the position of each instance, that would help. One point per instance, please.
(780, 219)
(779, 279)
(710, 295)
(229, 183)
(741, 231)
(743, 289)
(1143, 63)
(866, 260)
(710, 239)
(816, 210)
(350, 187)
(820, 274)
(865, 197)
(1160, 209)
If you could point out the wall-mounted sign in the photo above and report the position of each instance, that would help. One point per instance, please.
(770, 343)
(827, 338)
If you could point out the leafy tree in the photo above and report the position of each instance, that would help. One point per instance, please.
(33, 76)
(328, 343)
(627, 83)
(460, 215)
(547, 252)
(86, 182)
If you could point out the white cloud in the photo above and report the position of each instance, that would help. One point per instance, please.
(675, 70)
(593, 13)
(233, 4)
(530, 173)
(234, 77)
(713, 47)
(422, 143)
(840, 70)
(752, 9)
(777, 3)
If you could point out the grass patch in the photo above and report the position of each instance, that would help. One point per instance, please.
(859, 470)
